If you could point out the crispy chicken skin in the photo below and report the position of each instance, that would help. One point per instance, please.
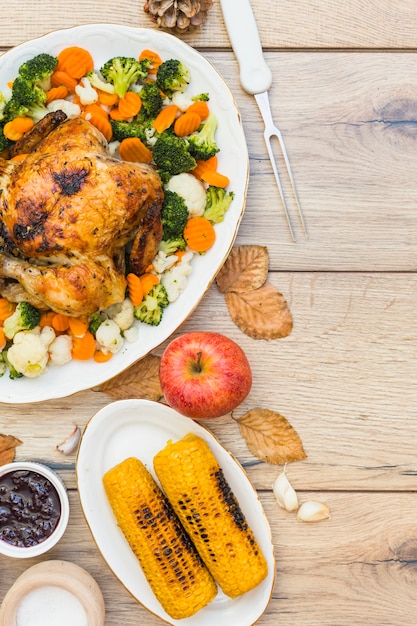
(67, 213)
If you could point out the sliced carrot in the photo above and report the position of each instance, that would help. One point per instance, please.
(46, 318)
(56, 93)
(199, 234)
(60, 322)
(107, 99)
(179, 254)
(148, 281)
(6, 308)
(130, 105)
(59, 77)
(20, 157)
(116, 115)
(16, 128)
(134, 150)
(200, 107)
(204, 166)
(95, 109)
(3, 340)
(135, 289)
(78, 326)
(215, 179)
(165, 118)
(83, 348)
(76, 61)
(151, 56)
(186, 124)
(101, 123)
(102, 357)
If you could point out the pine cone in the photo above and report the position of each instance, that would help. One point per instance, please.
(178, 15)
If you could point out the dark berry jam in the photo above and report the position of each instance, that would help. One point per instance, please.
(29, 508)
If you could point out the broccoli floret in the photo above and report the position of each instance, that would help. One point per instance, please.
(201, 97)
(152, 99)
(218, 201)
(172, 75)
(97, 82)
(27, 100)
(94, 322)
(13, 373)
(170, 246)
(25, 317)
(202, 144)
(171, 155)
(140, 126)
(174, 216)
(152, 307)
(122, 72)
(38, 70)
(4, 142)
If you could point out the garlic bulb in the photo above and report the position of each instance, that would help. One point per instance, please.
(313, 511)
(285, 493)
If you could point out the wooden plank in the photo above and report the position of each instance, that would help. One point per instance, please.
(360, 562)
(284, 24)
(344, 378)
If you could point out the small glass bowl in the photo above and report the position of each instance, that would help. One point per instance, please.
(23, 552)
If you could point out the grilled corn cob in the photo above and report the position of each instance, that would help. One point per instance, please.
(178, 577)
(209, 511)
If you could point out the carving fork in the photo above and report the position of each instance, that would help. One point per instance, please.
(256, 79)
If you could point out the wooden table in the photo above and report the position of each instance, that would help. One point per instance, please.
(345, 97)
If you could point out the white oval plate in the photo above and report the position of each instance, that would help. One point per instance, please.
(141, 428)
(105, 41)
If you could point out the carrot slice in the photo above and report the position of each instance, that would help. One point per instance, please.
(204, 166)
(199, 234)
(130, 105)
(3, 340)
(101, 123)
(59, 77)
(60, 322)
(102, 357)
(151, 56)
(6, 308)
(76, 61)
(135, 289)
(83, 348)
(46, 318)
(133, 149)
(56, 93)
(78, 326)
(165, 118)
(215, 179)
(186, 124)
(107, 99)
(148, 281)
(200, 107)
(16, 128)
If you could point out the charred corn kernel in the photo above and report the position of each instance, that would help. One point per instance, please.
(195, 485)
(172, 566)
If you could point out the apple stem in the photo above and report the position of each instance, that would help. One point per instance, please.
(198, 367)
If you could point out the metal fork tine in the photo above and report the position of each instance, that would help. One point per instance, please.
(271, 130)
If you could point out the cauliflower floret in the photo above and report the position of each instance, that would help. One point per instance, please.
(122, 313)
(28, 354)
(71, 109)
(162, 262)
(131, 334)
(182, 100)
(47, 335)
(114, 148)
(175, 279)
(86, 92)
(108, 337)
(191, 190)
(60, 350)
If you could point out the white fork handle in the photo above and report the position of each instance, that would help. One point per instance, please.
(255, 75)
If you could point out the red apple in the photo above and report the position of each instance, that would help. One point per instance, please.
(204, 374)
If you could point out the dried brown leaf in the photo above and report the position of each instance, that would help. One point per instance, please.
(8, 445)
(141, 380)
(270, 437)
(245, 269)
(261, 314)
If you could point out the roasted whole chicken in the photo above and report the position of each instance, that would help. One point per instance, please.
(69, 214)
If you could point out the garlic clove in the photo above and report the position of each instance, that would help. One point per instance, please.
(284, 493)
(313, 511)
(70, 444)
